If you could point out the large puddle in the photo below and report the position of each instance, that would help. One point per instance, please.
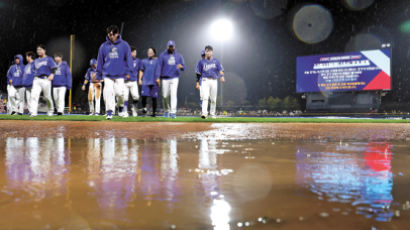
(202, 181)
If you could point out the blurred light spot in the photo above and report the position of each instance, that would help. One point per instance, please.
(220, 214)
(312, 24)
(221, 29)
(268, 9)
(357, 4)
(405, 27)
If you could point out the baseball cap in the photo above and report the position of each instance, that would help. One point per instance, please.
(202, 52)
(171, 43)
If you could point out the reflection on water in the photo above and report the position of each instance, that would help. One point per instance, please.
(203, 184)
(37, 168)
(359, 174)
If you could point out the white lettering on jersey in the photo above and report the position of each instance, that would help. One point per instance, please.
(39, 64)
(27, 69)
(58, 71)
(209, 66)
(171, 60)
(113, 53)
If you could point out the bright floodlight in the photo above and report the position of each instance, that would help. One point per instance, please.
(221, 29)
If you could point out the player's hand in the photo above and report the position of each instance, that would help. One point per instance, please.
(158, 82)
(11, 82)
(83, 88)
(128, 76)
(222, 79)
(51, 77)
(179, 66)
(197, 86)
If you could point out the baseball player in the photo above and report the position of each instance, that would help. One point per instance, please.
(28, 77)
(149, 79)
(61, 82)
(94, 90)
(16, 89)
(114, 64)
(198, 75)
(131, 85)
(210, 69)
(171, 64)
(44, 69)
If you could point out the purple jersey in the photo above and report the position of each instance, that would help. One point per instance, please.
(44, 66)
(209, 68)
(151, 70)
(136, 66)
(168, 63)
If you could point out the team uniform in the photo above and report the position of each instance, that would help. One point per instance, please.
(61, 82)
(209, 73)
(114, 62)
(43, 67)
(151, 73)
(16, 89)
(94, 90)
(131, 87)
(170, 78)
(28, 77)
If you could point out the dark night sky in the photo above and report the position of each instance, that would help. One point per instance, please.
(260, 61)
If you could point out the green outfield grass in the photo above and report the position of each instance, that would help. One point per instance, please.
(198, 119)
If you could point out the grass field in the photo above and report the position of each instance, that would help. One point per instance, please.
(197, 119)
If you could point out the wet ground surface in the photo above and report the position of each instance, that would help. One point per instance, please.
(76, 175)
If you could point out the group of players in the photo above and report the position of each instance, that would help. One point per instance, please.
(119, 69)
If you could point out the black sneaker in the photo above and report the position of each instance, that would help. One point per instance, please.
(144, 110)
(203, 116)
(13, 113)
(59, 114)
(153, 115)
(19, 114)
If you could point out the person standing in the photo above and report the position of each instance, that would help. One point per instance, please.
(28, 77)
(114, 64)
(171, 64)
(94, 90)
(149, 80)
(44, 69)
(61, 82)
(16, 89)
(209, 70)
(131, 86)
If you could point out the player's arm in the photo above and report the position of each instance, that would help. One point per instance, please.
(53, 67)
(181, 64)
(140, 74)
(221, 72)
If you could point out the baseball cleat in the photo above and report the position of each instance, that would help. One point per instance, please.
(203, 116)
(173, 115)
(166, 114)
(109, 117)
(50, 114)
(59, 114)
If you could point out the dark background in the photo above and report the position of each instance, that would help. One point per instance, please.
(260, 60)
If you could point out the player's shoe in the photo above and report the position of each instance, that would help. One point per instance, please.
(97, 114)
(134, 112)
(144, 110)
(13, 113)
(109, 115)
(173, 115)
(203, 116)
(166, 114)
(50, 114)
(59, 114)
(90, 114)
(153, 115)
(33, 115)
(213, 116)
(123, 114)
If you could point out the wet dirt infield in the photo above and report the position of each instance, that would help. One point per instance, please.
(240, 131)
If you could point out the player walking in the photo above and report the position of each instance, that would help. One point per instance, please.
(131, 85)
(94, 91)
(16, 89)
(210, 69)
(28, 78)
(44, 68)
(114, 64)
(149, 79)
(61, 82)
(171, 64)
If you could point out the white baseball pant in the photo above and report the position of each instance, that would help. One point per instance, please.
(28, 99)
(94, 92)
(112, 88)
(169, 94)
(16, 96)
(209, 90)
(41, 85)
(59, 98)
(131, 87)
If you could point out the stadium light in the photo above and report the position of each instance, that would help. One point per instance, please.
(221, 29)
